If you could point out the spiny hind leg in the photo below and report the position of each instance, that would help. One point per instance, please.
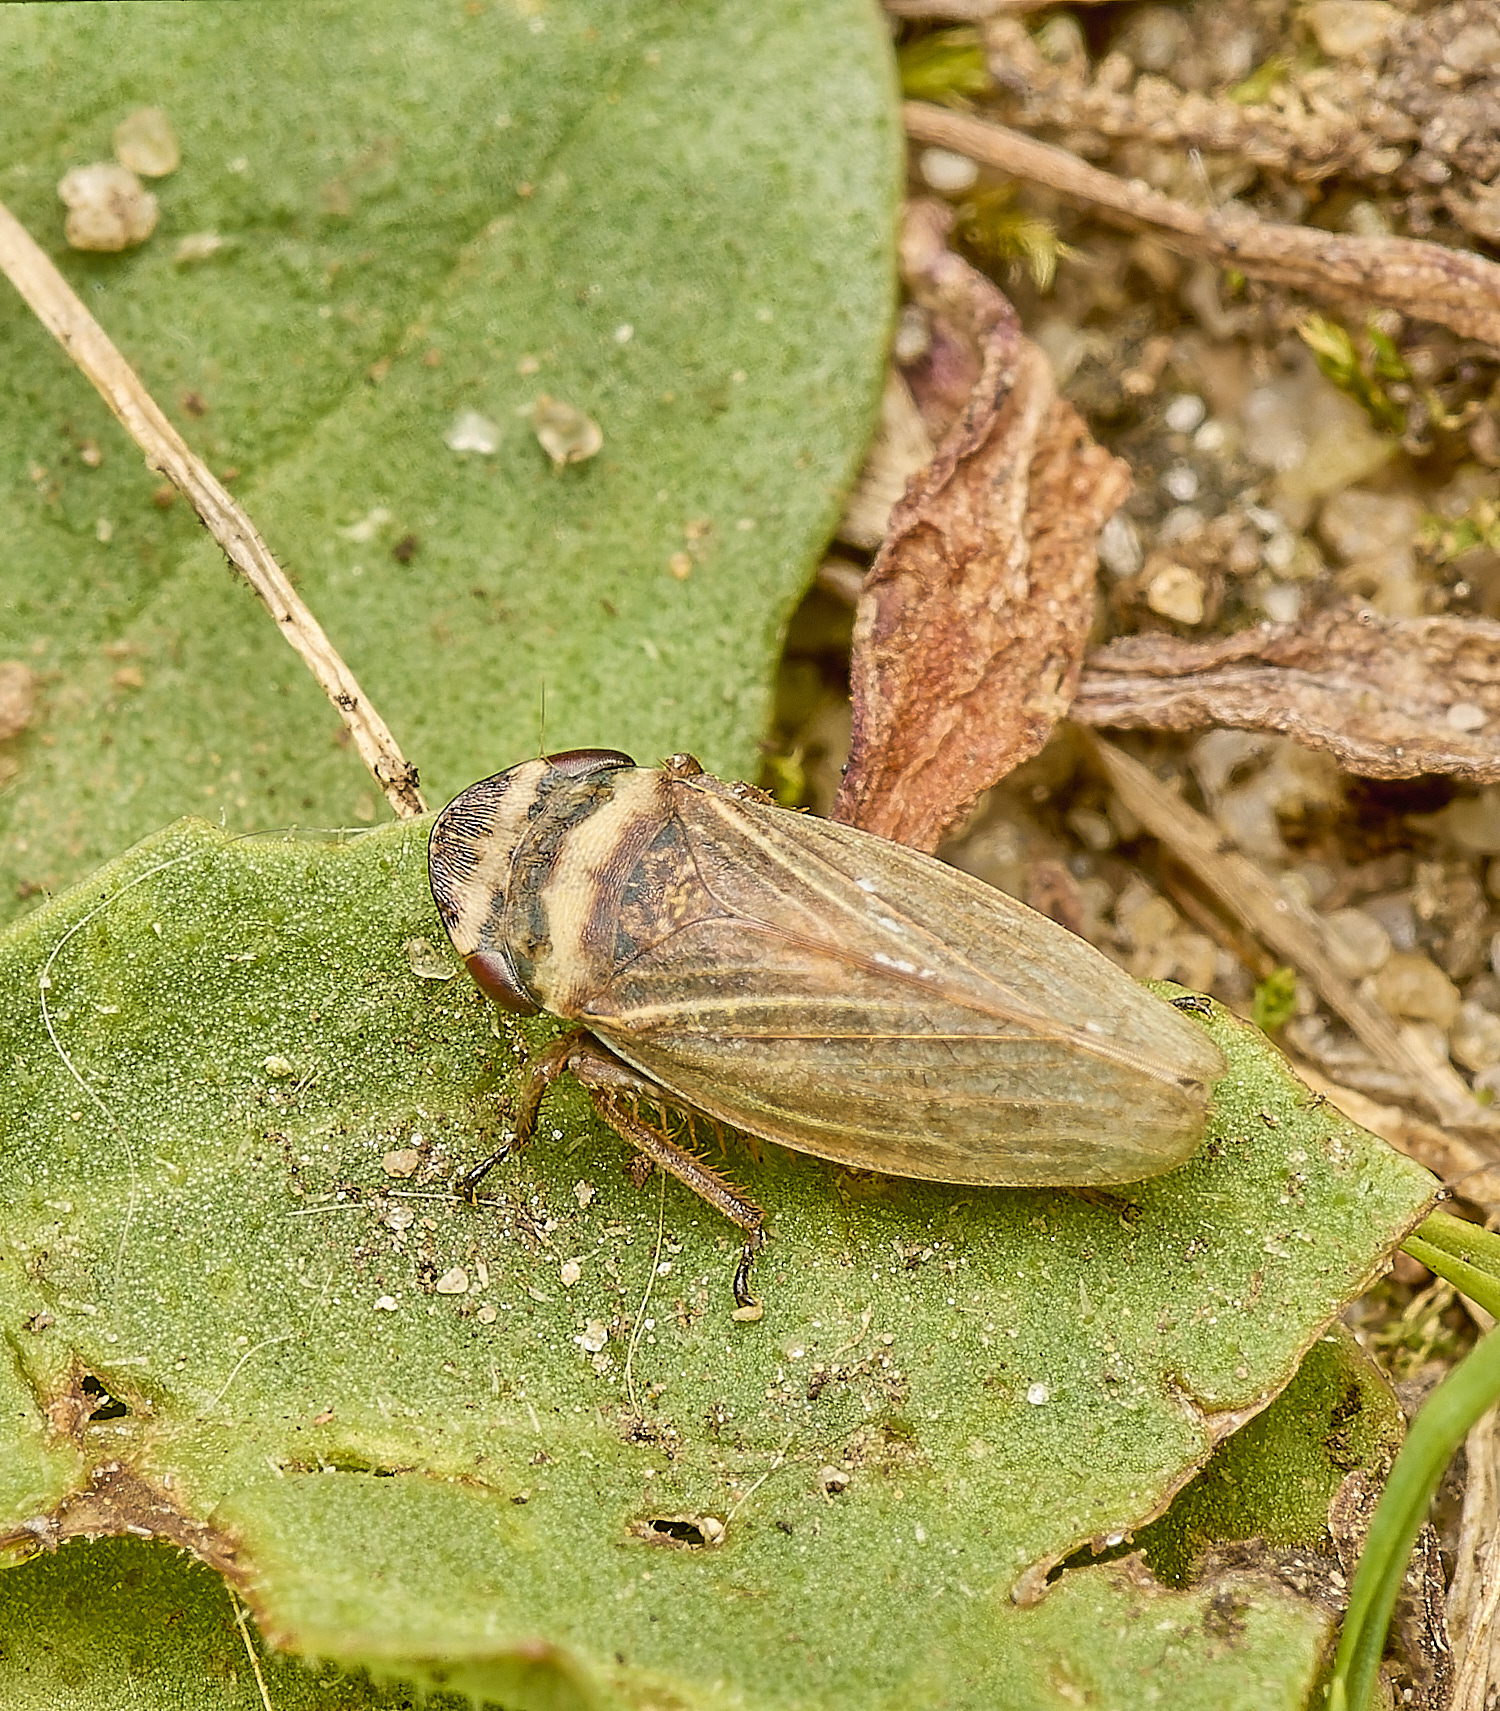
(616, 1105)
(615, 1089)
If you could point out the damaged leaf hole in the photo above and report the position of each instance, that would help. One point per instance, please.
(348, 1465)
(106, 1405)
(679, 1532)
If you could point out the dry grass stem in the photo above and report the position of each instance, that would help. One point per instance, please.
(1295, 932)
(1455, 288)
(1474, 1599)
(56, 306)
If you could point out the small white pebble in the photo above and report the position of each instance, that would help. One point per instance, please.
(454, 1281)
(197, 246)
(386, 1304)
(1211, 437)
(1465, 716)
(944, 171)
(428, 963)
(1282, 602)
(1037, 1394)
(403, 1161)
(913, 335)
(109, 210)
(594, 1337)
(1357, 943)
(1185, 412)
(565, 433)
(486, 1315)
(1181, 481)
(471, 432)
(1279, 551)
(1176, 592)
(624, 333)
(1180, 522)
(1120, 546)
(570, 1273)
(1349, 27)
(144, 142)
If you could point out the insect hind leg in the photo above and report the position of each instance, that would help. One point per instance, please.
(616, 1089)
(616, 1106)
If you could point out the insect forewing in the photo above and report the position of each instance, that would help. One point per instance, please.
(818, 986)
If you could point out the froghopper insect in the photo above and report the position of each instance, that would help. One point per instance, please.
(805, 982)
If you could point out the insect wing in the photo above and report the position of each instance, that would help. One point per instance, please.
(854, 999)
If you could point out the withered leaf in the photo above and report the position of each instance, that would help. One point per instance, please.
(17, 697)
(961, 309)
(1387, 697)
(975, 614)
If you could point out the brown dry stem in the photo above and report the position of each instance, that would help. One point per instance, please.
(64, 316)
(1474, 1599)
(971, 627)
(965, 11)
(1454, 288)
(1387, 697)
(1295, 932)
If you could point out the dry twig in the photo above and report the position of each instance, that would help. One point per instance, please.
(1387, 697)
(58, 309)
(1454, 288)
(1295, 932)
(1474, 1600)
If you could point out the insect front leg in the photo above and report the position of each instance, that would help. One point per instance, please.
(538, 1076)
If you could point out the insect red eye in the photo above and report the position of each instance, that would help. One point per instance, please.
(579, 763)
(494, 976)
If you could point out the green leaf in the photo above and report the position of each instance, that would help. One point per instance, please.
(1275, 1001)
(679, 220)
(1274, 1480)
(125, 1625)
(454, 1477)
(947, 66)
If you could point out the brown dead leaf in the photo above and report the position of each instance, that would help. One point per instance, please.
(1428, 281)
(1387, 697)
(961, 308)
(973, 619)
(17, 697)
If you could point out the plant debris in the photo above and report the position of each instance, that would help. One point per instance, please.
(982, 594)
(1387, 697)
